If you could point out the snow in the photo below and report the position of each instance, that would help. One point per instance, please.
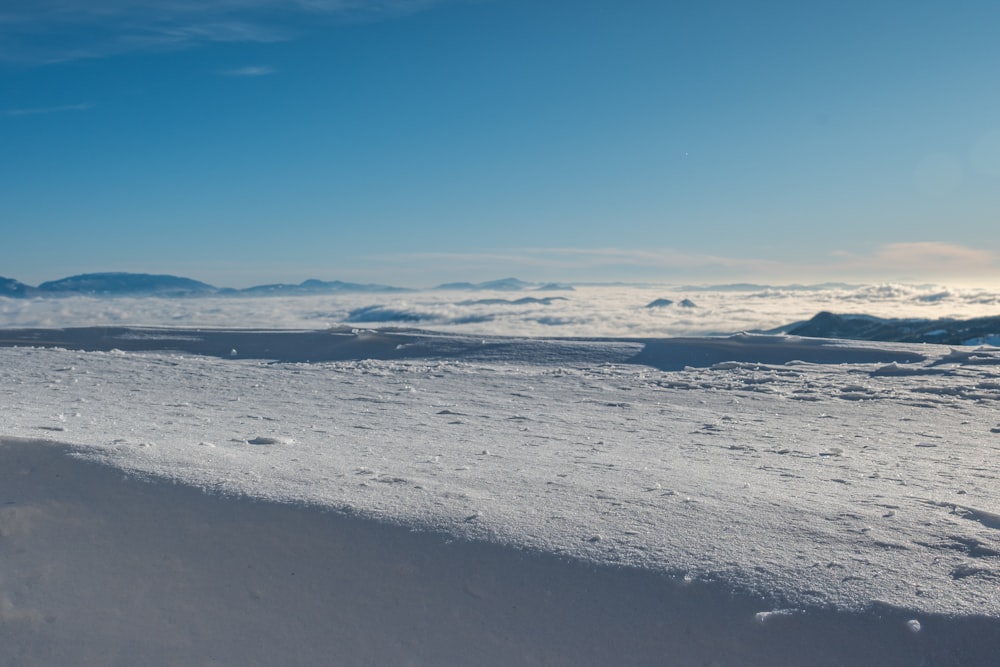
(439, 499)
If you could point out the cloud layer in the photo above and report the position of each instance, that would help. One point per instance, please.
(615, 311)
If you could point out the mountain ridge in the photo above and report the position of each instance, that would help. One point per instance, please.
(977, 330)
(121, 283)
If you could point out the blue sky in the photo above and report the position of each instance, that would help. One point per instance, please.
(417, 142)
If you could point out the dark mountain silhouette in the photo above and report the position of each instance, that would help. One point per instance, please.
(14, 288)
(313, 286)
(504, 284)
(663, 303)
(145, 284)
(660, 303)
(108, 284)
(866, 327)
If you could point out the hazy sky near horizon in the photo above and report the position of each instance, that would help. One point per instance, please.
(418, 142)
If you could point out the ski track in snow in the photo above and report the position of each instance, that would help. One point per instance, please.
(842, 485)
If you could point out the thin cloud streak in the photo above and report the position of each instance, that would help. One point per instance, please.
(85, 106)
(581, 257)
(250, 71)
(941, 254)
(896, 261)
(924, 259)
(574, 263)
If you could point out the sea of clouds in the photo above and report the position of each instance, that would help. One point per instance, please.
(583, 311)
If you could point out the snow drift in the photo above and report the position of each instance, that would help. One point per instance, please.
(436, 499)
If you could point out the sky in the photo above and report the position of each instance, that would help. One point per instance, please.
(414, 142)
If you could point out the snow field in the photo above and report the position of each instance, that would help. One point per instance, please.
(835, 503)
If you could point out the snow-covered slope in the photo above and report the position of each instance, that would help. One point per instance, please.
(740, 500)
(865, 327)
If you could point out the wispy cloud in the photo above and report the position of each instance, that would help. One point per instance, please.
(947, 255)
(590, 264)
(922, 259)
(897, 261)
(250, 70)
(36, 32)
(47, 110)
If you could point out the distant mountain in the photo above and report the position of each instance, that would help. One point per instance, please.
(663, 303)
(502, 285)
(523, 301)
(145, 284)
(866, 327)
(13, 288)
(313, 286)
(341, 286)
(113, 284)
(755, 287)
(135, 284)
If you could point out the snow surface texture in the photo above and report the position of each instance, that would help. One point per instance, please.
(751, 500)
(581, 311)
